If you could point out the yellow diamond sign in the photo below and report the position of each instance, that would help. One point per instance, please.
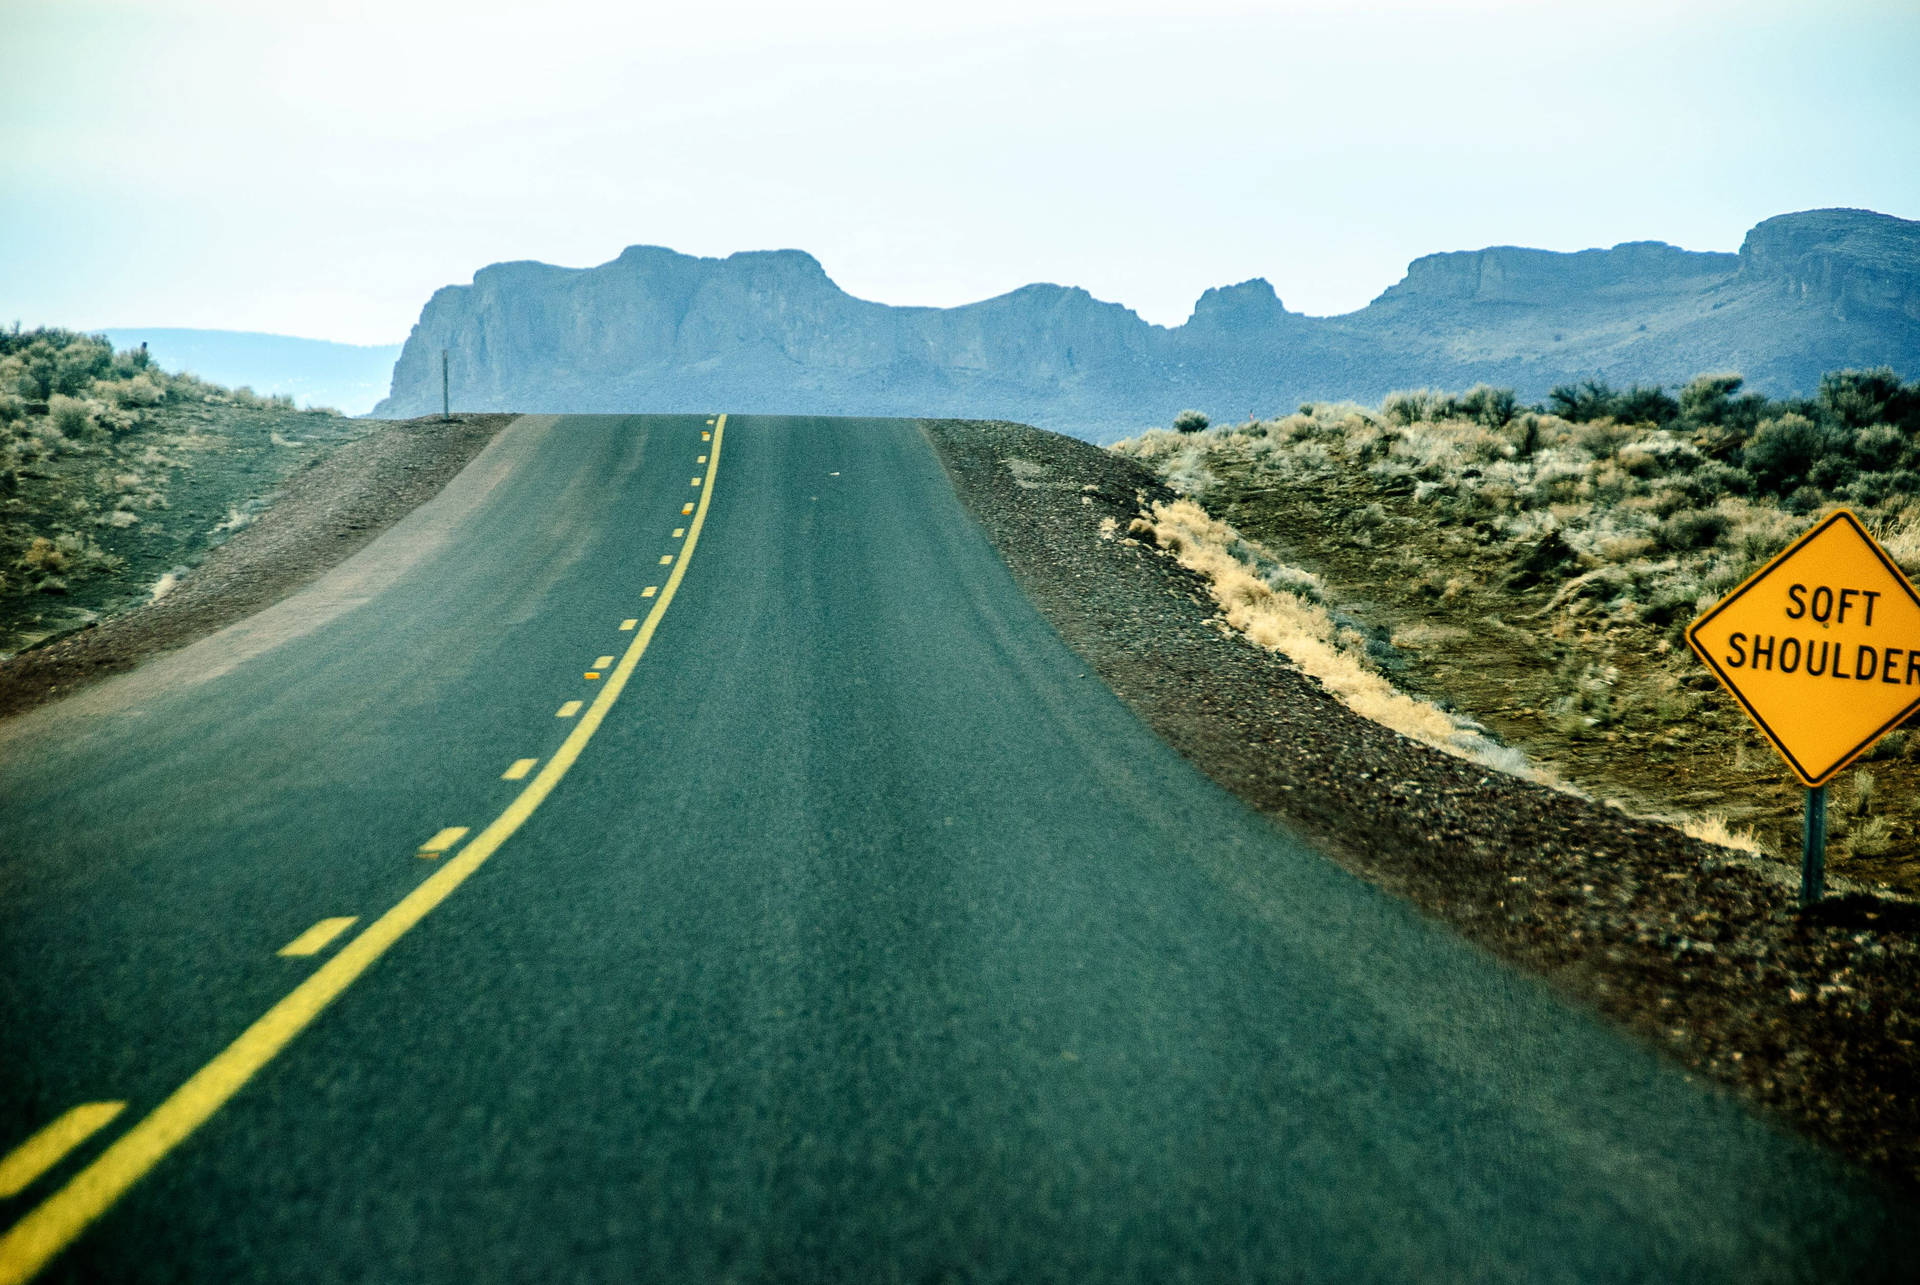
(1821, 647)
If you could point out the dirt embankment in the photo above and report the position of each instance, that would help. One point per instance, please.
(326, 513)
(1811, 1017)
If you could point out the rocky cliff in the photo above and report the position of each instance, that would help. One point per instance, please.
(770, 331)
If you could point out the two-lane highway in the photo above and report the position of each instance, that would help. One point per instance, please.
(797, 907)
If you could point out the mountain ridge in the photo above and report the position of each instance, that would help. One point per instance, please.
(769, 330)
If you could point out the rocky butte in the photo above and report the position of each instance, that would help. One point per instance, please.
(769, 331)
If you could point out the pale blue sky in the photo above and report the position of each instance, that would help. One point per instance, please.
(320, 169)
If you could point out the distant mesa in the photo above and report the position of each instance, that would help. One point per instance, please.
(655, 330)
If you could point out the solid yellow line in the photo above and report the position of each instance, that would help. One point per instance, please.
(519, 770)
(568, 710)
(315, 939)
(47, 1148)
(36, 1238)
(445, 839)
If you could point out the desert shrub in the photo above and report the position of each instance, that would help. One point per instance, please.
(1524, 433)
(1487, 406)
(1879, 448)
(1412, 406)
(1603, 438)
(45, 556)
(1831, 472)
(1645, 406)
(37, 369)
(1858, 399)
(1715, 479)
(1692, 529)
(140, 391)
(1867, 490)
(1578, 403)
(1708, 399)
(1189, 421)
(1803, 500)
(1783, 451)
(72, 416)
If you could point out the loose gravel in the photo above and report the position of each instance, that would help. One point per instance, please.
(1702, 952)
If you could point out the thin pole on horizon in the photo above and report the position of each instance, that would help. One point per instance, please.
(446, 402)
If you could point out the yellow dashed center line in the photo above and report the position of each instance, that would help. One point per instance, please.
(519, 770)
(605, 662)
(700, 460)
(649, 591)
(50, 1227)
(626, 626)
(315, 939)
(47, 1148)
(696, 481)
(666, 559)
(685, 509)
(568, 710)
(679, 531)
(440, 842)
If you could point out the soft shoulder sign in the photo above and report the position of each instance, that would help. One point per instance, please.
(1821, 647)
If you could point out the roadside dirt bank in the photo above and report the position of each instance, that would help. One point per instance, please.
(1809, 1017)
(326, 513)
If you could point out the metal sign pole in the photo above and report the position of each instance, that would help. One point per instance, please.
(1813, 848)
(446, 404)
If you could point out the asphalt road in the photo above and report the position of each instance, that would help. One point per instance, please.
(865, 936)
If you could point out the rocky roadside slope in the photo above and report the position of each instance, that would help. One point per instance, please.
(1697, 950)
(326, 513)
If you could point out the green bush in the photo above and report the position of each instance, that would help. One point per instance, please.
(1411, 406)
(1782, 452)
(1691, 529)
(1879, 448)
(70, 415)
(1603, 438)
(1858, 399)
(1190, 421)
(1716, 478)
(1645, 406)
(1488, 406)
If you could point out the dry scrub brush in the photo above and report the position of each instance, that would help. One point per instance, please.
(1622, 520)
(1278, 607)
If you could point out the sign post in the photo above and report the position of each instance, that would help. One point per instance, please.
(1813, 848)
(1821, 647)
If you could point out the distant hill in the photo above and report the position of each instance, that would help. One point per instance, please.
(315, 372)
(768, 331)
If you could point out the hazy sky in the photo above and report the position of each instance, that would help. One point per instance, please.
(319, 169)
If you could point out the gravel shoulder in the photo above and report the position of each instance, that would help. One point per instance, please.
(1703, 953)
(327, 513)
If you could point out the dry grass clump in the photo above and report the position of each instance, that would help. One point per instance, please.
(1712, 827)
(1278, 607)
